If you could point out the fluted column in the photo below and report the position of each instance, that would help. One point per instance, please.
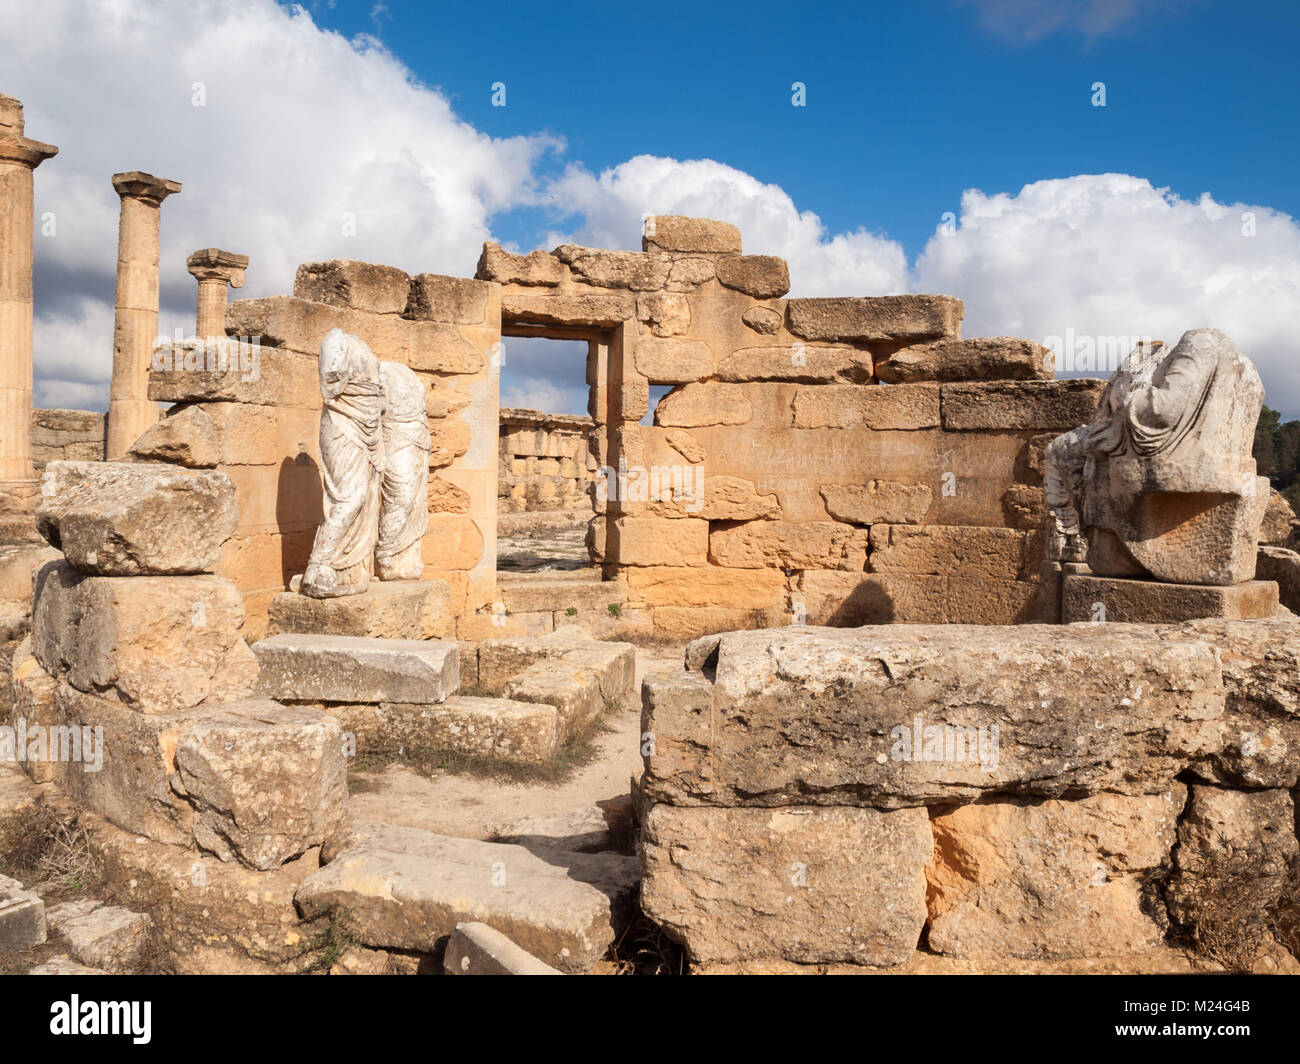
(135, 325)
(215, 269)
(19, 156)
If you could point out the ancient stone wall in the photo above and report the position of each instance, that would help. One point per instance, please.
(266, 403)
(546, 472)
(67, 435)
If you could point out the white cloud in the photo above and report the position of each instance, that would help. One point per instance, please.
(1108, 255)
(1031, 20)
(613, 203)
(300, 128)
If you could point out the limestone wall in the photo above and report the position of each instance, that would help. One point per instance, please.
(71, 435)
(839, 461)
(267, 408)
(546, 472)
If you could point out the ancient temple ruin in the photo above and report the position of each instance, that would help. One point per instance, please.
(805, 570)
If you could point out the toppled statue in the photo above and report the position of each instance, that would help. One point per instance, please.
(404, 487)
(351, 447)
(1162, 485)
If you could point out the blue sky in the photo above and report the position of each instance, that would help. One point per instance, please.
(1172, 207)
(908, 104)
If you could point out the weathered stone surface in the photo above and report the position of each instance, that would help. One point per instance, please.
(388, 609)
(476, 949)
(721, 498)
(1231, 834)
(639, 541)
(403, 888)
(760, 276)
(1077, 711)
(134, 518)
(358, 285)
(64, 966)
(1023, 506)
(891, 502)
(455, 300)
(846, 600)
(501, 729)
(686, 445)
(156, 644)
(1155, 602)
(675, 232)
(604, 308)
(705, 403)
(709, 585)
(1279, 520)
(338, 668)
(689, 272)
(797, 362)
(789, 545)
(535, 268)
(186, 436)
(499, 660)
(634, 270)
(582, 684)
(670, 361)
(606, 826)
(1056, 406)
(22, 917)
(803, 884)
(763, 320)
(102, 936)
(34, 708)
(1054, 879)
(986, 358)
(213, 917)
(912, 318)
(873, 406)
(667, 313)
(972, 551)
(1282, 567)
(267, 782)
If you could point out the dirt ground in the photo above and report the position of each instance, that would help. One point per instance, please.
(475, 807)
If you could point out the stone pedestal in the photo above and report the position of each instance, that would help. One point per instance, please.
(1118, 600)
(396, 609)
(215, 269)
(135, 322)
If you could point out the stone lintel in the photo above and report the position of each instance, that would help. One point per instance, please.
(1154, 602)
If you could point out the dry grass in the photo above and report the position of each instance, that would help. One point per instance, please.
(646, 949)
(40, 844)
(1232, 911)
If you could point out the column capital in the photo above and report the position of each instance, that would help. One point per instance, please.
(15, 148)
(213, 264)
(137, 185)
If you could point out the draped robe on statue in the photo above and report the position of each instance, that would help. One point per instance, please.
(404, 490)
(351, 445)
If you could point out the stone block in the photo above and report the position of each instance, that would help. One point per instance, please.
(986, 358)
(789, 545)
(909, 319)
(339, 668)
(675, 232)
(34, 713)
(1040, 406)
(22, 917)
(476, 949)
(872, 406)
(535, 268)
(387, 609)
(793, 362)
(136, 518)
(455, 300)
(812, 885)
(107, 937)
(1152, 602)
(636, 541)
(760, 276)
(845, 600)
(965, 551)
(187, 436)
(891, 502)
(703, 403)
(672, 361)
(1052, 879)
(267, 782)
(403, 888)
(567, 308)
(156, 644)
(717, 498)
(357, 285)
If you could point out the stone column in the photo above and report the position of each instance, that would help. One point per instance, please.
(214, 269)
(135, 325)
(19, 156)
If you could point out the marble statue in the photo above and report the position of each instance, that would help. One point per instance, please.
(351, 446)
(1162, 485)
(404, 484)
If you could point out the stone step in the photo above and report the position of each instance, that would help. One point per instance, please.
(340, 668)
(404, 888)
(394, 609)
(102, 936)
(22, 917)
(476, 949)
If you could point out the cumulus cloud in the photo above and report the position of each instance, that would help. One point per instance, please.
(1111, 255)
(292, 142)
(612, 204)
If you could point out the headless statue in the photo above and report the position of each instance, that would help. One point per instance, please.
(404, 487)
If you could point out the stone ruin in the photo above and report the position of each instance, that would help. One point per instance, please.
(838, 508)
